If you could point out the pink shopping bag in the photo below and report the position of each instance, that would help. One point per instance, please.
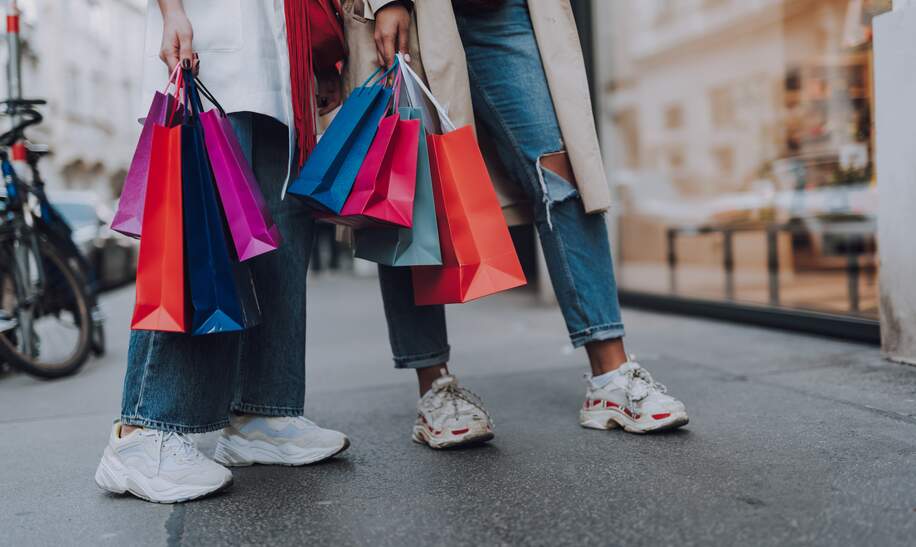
(250, 223)
(128, 219)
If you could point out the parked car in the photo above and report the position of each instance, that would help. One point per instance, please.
(114, 257)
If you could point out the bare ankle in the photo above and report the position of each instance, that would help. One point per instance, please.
(427, 375)
(127, 430)
(606, 355)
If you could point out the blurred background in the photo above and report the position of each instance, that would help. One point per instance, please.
(738, 138)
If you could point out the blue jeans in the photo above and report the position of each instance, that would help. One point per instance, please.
(513, 103)
(191, 384)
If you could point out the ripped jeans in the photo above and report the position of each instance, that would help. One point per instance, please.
(512, 101)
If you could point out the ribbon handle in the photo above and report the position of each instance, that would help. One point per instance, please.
(443, 113)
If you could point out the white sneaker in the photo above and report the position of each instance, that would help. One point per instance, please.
(631, 400)
(449, 415)
(277, 441)
(158, 466)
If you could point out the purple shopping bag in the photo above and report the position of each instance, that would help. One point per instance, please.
(129, 217)
(253, 229)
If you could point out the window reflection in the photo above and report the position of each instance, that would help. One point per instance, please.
(741, 149)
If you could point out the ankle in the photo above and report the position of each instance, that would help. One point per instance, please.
(606, 355)
(427, 375)
(127, 430)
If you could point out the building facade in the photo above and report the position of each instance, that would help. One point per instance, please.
(83, 57)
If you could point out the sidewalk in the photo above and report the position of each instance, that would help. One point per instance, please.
(793, 440)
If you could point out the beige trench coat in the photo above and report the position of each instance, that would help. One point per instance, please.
(437, 55)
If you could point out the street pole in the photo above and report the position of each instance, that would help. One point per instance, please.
(14, 69)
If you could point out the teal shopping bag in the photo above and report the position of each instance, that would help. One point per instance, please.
(415, 246)
(329, 172)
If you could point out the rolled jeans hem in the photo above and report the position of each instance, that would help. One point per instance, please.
(598, 333)
(138, 421)
(268, 410)
(423, 360)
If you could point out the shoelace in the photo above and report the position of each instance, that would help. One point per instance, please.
(638, 376)
(179, 446)
(453, 393)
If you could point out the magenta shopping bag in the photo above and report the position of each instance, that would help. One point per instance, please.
(128, 219)
(253, 229)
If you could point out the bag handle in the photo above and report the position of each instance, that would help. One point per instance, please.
(206, 93)
(443, 113)
(181, 94)
(174, 78)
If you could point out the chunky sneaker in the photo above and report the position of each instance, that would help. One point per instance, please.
(276, 441)
(449, 415)
(631, 399)
(158, 466)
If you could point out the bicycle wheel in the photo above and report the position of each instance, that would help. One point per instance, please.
(46, 334)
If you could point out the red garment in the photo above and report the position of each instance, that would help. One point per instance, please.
(314, 35)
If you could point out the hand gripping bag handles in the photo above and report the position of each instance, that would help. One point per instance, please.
(387, 181)
(160, 302)
(419, 244)
(328, 175)
(128, 219)
(222, 290)
(478, 257)
(253, 230)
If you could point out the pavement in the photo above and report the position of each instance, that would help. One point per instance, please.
(793, 440)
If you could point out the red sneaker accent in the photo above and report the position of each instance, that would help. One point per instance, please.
(610, 404)
(661, 416)
(460, 431)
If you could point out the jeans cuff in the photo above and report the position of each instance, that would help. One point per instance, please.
(146, 423)
(268, 410)
(609, 331)
(423, 360)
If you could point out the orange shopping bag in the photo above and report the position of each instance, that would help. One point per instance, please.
(478, 257)
(160, 271)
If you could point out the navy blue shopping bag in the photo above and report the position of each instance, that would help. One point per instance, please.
(329, 172)
(221, 287)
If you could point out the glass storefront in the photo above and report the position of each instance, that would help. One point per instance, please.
(740, 148)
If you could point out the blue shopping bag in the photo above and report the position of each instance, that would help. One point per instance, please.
(419, 244)
(329, 172)
(221, 287)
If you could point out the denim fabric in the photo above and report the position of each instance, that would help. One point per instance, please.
(190, 384)
(513, 103)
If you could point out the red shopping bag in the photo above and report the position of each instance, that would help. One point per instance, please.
(386, 184)
(160, 287)
(478, 257)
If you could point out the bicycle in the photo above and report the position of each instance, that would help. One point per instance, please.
(46, 319)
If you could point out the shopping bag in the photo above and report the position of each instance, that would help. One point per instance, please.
(128, 219)
(221, 288)
(253, 230)
(160, 287)
(478, 257)
(419, 244)
(386, 183)
(329, 172)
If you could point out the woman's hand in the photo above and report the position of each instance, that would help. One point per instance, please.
(329, 92)
(177, 36)
(392, 27)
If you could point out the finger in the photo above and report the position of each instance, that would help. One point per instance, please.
(404, 41)
(195, 65)
(379, 49)
(389, 47)
(170, 58)
(185, 52)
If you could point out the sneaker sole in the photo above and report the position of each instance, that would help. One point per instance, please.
(111, 476)
(243, 453)
(612, 419)
(421, 435)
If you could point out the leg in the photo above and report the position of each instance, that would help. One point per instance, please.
(418, 334)
(504, 65)
(268, 426)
